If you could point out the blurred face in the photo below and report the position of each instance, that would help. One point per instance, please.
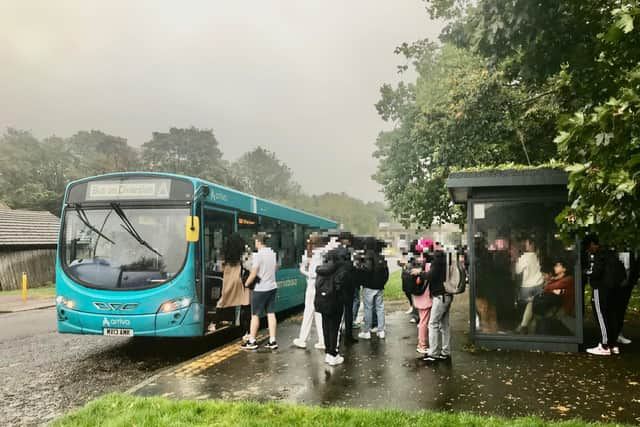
(528, 246)
(593, 247)
(559, 269)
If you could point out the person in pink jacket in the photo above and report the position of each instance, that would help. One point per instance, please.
(423, 304)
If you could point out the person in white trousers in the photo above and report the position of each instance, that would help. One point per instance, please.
(310, 260)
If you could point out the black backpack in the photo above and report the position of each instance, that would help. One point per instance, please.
(327, 292)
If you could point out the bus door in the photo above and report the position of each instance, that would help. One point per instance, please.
(217, 225)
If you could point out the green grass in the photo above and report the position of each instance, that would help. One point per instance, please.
(47, 291)
(125, 410)
(393, 288)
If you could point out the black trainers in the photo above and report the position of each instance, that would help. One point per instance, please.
(431, 360)
(271, 345)
(249, 345)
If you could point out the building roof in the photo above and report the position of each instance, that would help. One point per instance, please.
(28, 228)
(461, 183)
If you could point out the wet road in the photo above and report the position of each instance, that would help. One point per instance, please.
(44, 374)
(387, 374)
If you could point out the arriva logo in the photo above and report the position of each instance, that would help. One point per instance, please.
(106, 323)
(115, 306)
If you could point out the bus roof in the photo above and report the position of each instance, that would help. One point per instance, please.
(228, 197)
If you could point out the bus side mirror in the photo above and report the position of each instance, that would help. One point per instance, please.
(193, 228)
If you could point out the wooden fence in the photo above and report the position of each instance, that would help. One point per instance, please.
(39, 264)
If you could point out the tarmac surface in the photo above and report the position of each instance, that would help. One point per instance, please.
(389, 374)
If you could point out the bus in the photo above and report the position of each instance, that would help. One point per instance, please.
(138, 252)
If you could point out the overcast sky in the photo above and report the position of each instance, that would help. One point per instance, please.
(299, 77)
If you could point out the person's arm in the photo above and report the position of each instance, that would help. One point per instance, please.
(558, 284)
(520, 264)
(255, 265)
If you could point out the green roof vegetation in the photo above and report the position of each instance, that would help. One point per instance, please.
(552, 164)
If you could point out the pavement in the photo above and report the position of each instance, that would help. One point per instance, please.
(14, 303)
(389, 374)
(46, 374)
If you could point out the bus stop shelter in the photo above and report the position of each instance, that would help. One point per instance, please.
(513, 244)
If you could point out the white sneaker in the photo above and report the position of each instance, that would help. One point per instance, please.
(299, 343)
(412, 320)
(381, 335)
(338, 360)
(615, 350)
(599, 351)
(319, 346)
(246, 338)
(329, 359)
(409, 311)
(374, 330)
(623, 340)
(364, 335)
(422, 350)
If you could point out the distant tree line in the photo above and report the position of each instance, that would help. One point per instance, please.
(34, 173)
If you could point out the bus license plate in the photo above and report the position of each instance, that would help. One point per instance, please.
(118, 332)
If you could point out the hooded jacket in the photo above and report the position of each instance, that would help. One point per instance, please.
(436, 274)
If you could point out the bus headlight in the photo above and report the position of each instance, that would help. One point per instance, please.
(66, 302)
(175, 304)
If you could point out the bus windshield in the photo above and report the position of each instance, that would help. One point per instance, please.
(124, 248)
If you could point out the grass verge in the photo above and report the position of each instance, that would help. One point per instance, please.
(393, 288)
(46, 291)
(125, 410)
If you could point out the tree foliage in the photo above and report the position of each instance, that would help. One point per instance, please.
(261, 173)
(458, 114)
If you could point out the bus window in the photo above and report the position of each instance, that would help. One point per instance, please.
(217, 227)
(247, 227)
(282, 240)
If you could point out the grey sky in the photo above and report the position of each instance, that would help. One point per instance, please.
(298, 77)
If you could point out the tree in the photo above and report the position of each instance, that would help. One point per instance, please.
(354, 214)
(458, 114)
(261, 173)
(191, 151)
(95, 152)
(603, 142)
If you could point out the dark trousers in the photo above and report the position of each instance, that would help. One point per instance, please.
(348, 313)
(330, 330)
(623, 303)
(245, 318)
(606, 308)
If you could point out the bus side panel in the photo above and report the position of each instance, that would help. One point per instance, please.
(291, 288)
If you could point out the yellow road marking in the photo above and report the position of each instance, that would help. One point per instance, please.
(211, 359)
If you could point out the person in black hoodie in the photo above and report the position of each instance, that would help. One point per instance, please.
(350, 288)
(605, 276)
(439, 332)
(625, 293)
(373, 292)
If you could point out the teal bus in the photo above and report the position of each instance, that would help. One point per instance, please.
(137, 253)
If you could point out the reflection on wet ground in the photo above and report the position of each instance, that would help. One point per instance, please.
(388, 374)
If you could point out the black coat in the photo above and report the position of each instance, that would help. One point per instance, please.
(436, 274)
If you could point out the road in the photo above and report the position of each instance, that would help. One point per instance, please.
(44, 374)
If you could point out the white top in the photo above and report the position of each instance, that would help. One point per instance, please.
(265, 261)
(308, 267)
(529, 265)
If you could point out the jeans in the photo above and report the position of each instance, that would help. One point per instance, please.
(373, 301)
(356, 304)
(439, 332)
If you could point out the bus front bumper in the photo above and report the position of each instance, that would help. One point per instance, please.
(179, 323)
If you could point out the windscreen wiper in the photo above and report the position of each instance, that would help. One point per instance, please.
(85, 220)
(129, 228)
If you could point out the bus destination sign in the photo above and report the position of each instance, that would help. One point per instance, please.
(142, 189)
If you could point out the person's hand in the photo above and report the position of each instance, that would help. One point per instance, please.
(557, 291)
(415, 271)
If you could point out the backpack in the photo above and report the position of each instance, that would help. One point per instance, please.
(328, 288)
(456, 276)
(380, 274)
